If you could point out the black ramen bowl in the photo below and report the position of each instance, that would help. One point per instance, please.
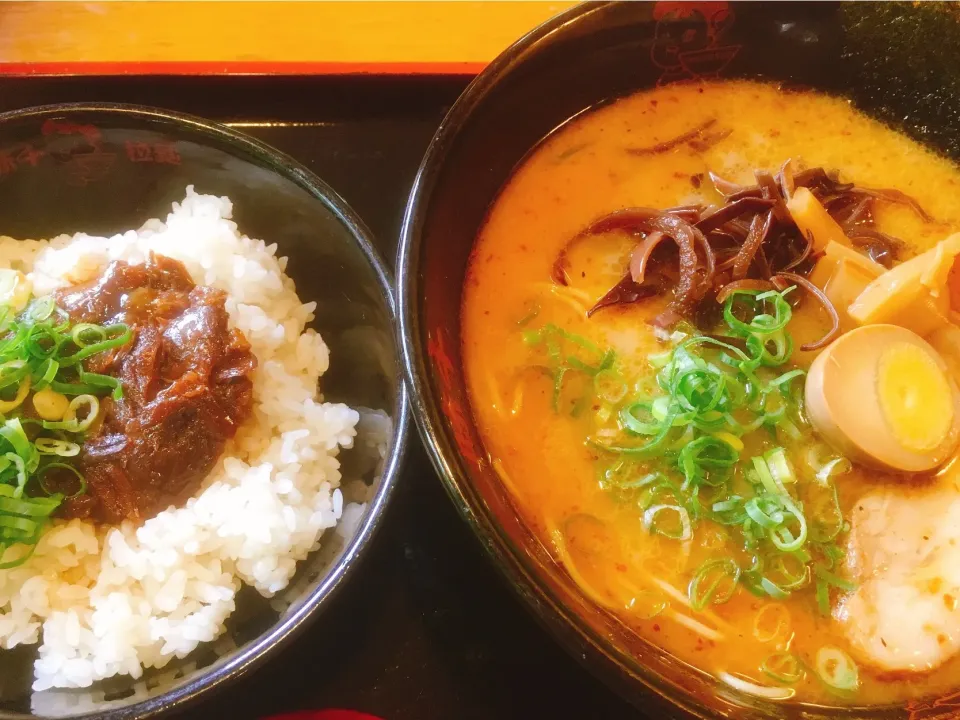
(879, 55)
(102, 169)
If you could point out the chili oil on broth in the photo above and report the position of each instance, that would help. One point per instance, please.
(582, 172)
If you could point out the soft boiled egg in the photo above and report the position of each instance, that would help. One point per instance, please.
(882, 395)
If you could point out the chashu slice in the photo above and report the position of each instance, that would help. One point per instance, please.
(904, 553)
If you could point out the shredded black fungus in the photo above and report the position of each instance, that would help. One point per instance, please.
(750, 238)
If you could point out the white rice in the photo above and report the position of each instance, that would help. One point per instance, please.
(108, 602)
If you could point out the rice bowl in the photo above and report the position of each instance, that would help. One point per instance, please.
(103, 602)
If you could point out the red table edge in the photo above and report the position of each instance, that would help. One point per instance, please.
(234, 67)
(330, 714)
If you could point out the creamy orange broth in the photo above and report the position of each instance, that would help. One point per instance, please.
(577, 174)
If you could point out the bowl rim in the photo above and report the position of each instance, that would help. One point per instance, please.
(231, 667)
(580, 641)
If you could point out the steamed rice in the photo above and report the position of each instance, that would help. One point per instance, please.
(115, 601)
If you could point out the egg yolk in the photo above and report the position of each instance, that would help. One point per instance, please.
(915, 397)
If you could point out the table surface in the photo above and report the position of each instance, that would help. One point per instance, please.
(427, 629)
(315, 37)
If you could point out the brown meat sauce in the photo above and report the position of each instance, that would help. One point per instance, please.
(186, 388)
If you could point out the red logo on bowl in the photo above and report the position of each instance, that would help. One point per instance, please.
(687, 44)
(79, 148)
(324, 715)
(13, 158)
(162, 152)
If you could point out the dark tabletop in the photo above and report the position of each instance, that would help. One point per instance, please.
(426, 629)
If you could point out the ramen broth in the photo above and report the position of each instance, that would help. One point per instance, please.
(584, 171)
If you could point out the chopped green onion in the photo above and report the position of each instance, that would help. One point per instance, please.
(565, 353)
(45, 373)
(824, 581)
(117, 335)
(653, 522)
(837, 466)
(82, 488)
(786, 378)
(836, 669)
(711, 423)
(824, 510)
(96, 380)
(783, 667)
(765, 510)
(712, 574)
(5, 562)
(33, 507)
(752, 688)
(660, 490)
(39, 310)
(789, 428)
(20, 469)
(835, 580)
(40, 350)
(22, 520)
(15, 527)
(701, 460)
(12, 432)
(74, 388)
(823, 597)
(660, 359)
(8, 405)
(770, 484)
(91, 407)
(63, 448)
(779, 467)
(12, 372)
(42, 342)
(773, 590)
(783, 536)
(761, 323)
(730, 511)
(781, 628)
(609, 385)
(640, 425)
(94, 334)
(653, 447)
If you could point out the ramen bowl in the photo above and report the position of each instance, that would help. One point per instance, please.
(103, 169)
(872, 54)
